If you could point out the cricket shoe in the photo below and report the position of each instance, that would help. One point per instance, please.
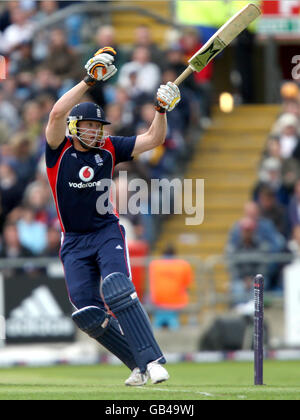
(137, 378)
(157, 373)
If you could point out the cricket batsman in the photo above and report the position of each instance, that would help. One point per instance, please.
(94, 251)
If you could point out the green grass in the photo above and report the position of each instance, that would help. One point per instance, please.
(189, 381)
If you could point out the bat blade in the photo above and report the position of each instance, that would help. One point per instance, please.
(223, 37)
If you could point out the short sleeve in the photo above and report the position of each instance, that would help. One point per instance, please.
(52, 155)
(123, 148)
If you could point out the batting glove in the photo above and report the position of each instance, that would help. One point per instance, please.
(168, 97)
(101, 67)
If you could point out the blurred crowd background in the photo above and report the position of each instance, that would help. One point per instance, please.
(43, 65)
(270, 223)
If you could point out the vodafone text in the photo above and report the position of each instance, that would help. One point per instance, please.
(81, 185)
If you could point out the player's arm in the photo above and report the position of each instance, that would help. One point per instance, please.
(56, 127)
(168, 97)
(100, 67)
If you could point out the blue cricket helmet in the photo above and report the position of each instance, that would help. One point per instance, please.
(87, 111)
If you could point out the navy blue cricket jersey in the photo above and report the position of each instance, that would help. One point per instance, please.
(74, 177)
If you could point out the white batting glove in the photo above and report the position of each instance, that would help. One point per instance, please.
(101, 67)
(168, 96)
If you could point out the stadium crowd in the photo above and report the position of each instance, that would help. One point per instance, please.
(41, 66)
(271, 219)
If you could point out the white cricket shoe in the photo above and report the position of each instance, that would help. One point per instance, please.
(157, 373)
(137, 378)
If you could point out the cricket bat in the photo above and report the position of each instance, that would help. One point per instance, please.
(223, 37)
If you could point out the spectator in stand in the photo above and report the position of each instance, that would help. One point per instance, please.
(42, 38)
(18, 31)
(118, 126)
(170, 279)
(175, 59)
(46, 102)
(272, 148)
(154, 159)
(12, 248)
(32, 124)
(143, 37)
(191, 43)
(188, 111)
(163, 161)
(45, 82)
(22, 60)
(146, 73)
(289, 137)
(10, 189)
(60, 56)
(243, 260)
(270, 209)
(24, 162)
(39, 199)
(32, 233)
(53, 242)
(106, 35)
(6, 153)
(128, 107)
(290, 168)
(72, 24)
(24, 87)
(8, 114)
(265, 228)
(287, 129)
(271, 176)
(5, 15)
(294, 207)
(175, 65)
(46, 9)
(267, 234)
(290, 96)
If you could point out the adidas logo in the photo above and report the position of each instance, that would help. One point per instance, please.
(119, 247)
(38, 315)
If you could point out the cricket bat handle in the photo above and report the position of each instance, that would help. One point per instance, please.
(187, 72)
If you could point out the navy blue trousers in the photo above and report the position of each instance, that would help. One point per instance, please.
(89, 257)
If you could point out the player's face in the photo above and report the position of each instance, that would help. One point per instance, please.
(90, 132)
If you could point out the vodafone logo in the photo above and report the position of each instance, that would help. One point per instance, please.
(86, 174)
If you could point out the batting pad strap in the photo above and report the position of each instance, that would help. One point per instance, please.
(119, 292)
(92, 320)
